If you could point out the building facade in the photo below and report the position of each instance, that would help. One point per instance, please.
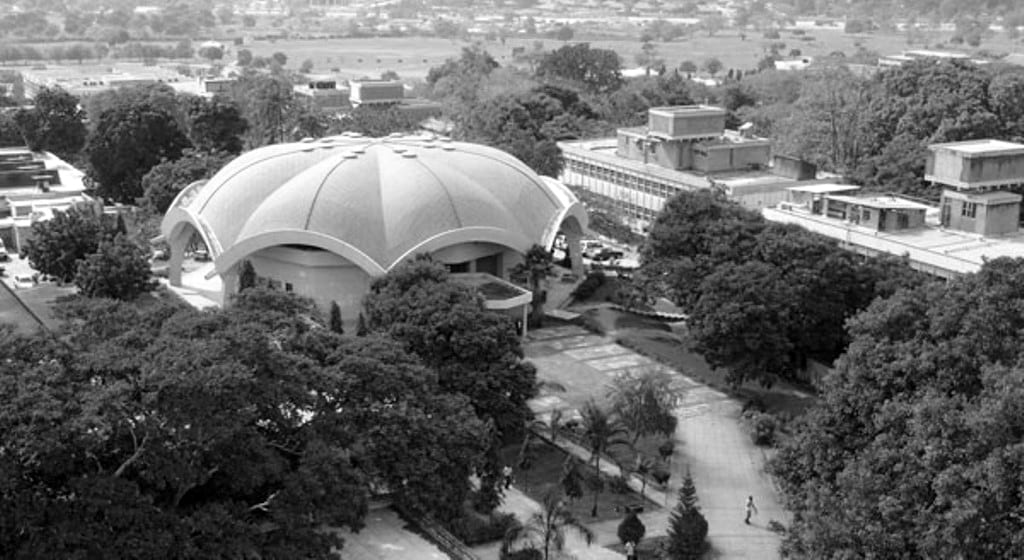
(33, 185)
(975, 220)
(324, 218)
(682, 148)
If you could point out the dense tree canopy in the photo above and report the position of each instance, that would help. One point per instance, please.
(216, 125)
(915, 450)
(119, 269)
(762, 297)
(129, 139)
(57, 246)
(474, 351)
(166, 179)
(174, 433)
(595, 70)
(55, 124)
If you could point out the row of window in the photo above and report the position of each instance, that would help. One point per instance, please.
(623, 178)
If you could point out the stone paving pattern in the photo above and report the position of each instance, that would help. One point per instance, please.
(711, 442)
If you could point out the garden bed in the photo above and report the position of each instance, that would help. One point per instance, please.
(545, 475)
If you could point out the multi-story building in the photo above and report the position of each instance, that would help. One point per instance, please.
(32, 186)
(325, 93)
(391, 93)
(976, 219)
(682, 148)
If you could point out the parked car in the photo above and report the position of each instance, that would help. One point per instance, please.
(23, 281)
(201, 255)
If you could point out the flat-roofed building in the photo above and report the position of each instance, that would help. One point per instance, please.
(32, 186)
(973, 222)
(682, 148)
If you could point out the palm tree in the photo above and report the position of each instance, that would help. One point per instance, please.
(536, 266)
(546, 528)
(601, 432)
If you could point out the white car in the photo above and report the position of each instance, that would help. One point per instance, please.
(22, 281)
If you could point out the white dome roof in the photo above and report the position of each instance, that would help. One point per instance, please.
(374, 201)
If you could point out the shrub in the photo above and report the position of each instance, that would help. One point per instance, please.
(591, 323)
(594, 280)
(619, 485)
(661, 476)
(631, 529)
(762, 427)
(474, 528)
(524, 554)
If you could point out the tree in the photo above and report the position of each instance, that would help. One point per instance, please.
(572, 478)
(712, 65)
(474, 351)
(216, 124)
(57, 246)
(688, 67)
(536, 267)
(211, 52)
(361, 328)
(631, 529)
(335, 320)
(280, 58)
(165, 180)
(596, 70)
(564, 33)
(528, 125)
(601, 432)
(244, 57)
(246, 276)
(268, 104)
(307, 66)
(129, 140)
(916, 425)
(546, 528)
(119, 269)
(247, 423)
(378, 121)
(687, 530)
(55, 124)
(645, 402)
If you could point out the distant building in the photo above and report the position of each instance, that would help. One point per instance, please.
(391, 93)
(325, 93)
(799, 63)
(85, 80)
(975, 220)
(910, 56)
(32, 186)
(682, 148)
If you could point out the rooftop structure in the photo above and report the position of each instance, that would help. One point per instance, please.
(32, 186)
(973, 221)
(86, 80)
(323, 218)
(682, 148)
(976, 164)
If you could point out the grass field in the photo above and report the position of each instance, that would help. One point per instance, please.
(412, 57)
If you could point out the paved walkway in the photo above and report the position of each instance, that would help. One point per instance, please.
(725, 465)
(385, 538)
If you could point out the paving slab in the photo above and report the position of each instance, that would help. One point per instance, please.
(712, 445)
(385, 538)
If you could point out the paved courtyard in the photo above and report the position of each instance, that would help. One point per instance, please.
(711, 442)
(384, 538)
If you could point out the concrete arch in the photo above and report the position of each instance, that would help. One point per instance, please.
(227, 261)
(498, 236)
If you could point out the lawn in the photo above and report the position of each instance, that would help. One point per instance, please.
(412, 57)
(546, 474)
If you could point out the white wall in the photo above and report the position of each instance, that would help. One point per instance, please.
(319, 275)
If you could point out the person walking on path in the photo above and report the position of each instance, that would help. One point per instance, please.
(506, 474)
(751, 509)
(630, 550)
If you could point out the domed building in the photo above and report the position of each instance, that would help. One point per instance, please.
(323, 218)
